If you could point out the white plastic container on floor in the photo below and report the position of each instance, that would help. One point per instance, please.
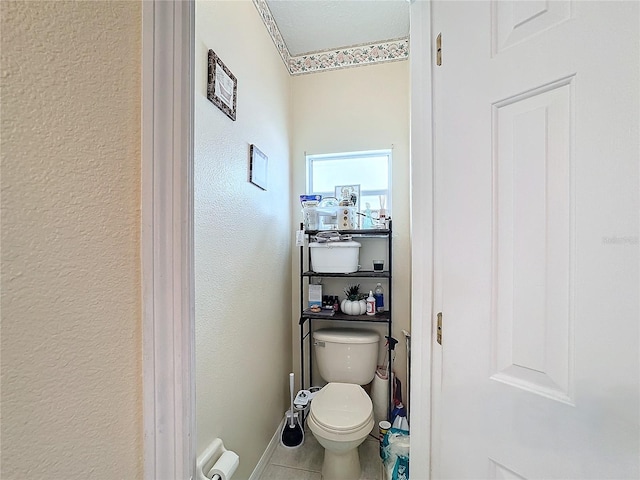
(380, 395)
(335, 257)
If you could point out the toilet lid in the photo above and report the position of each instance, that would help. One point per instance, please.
(341, 407)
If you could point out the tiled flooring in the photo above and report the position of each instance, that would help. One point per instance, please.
(305, 462)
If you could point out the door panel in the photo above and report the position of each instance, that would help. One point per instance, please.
(515, 22)
(536, 197)
(532, 245)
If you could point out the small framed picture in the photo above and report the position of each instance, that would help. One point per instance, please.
(222, 86)
(350, 194)
(258, 167)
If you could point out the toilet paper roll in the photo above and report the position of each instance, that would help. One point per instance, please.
(225, 466)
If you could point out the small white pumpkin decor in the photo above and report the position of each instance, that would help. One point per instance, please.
(354, 304)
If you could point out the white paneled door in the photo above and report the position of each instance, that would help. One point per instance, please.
(536, 110)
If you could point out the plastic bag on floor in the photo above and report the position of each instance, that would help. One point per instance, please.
(395, 454)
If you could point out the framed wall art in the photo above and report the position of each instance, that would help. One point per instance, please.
(222, 86)
(258, 163)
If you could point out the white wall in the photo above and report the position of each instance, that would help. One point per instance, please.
(355, 109)
(71, 309)
(242, 238)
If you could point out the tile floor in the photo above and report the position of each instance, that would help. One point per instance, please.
(305, 462)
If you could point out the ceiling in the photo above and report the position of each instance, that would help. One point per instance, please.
(321, 25)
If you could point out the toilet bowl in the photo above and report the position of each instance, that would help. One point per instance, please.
(341, 418)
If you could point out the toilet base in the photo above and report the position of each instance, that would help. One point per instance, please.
(341, 466)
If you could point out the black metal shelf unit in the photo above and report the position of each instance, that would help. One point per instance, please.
(308, 318)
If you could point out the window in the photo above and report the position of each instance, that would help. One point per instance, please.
(371, 170)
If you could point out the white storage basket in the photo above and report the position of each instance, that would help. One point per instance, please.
(335, 257)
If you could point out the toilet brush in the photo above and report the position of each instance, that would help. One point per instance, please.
(292, 432)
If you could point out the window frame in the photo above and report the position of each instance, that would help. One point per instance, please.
(310, 158)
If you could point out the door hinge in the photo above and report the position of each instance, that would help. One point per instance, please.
(439, 331)
(439, 49)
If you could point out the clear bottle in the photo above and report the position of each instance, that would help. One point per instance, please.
(371, 304)
(379, 296)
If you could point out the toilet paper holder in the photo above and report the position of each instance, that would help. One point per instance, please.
(216, 462)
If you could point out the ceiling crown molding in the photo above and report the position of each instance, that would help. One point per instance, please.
(357, 55)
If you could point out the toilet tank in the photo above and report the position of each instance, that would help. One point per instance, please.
(346, 355)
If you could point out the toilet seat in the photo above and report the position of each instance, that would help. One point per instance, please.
(341, 418)
(342, 409)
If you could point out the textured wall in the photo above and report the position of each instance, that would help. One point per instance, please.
(71, 316)
(242, 238)
(355, 109)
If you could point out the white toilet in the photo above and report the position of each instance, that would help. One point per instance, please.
(341, 414)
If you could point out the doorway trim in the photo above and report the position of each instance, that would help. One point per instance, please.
(166, 243)
(168, 36)
(422, 262)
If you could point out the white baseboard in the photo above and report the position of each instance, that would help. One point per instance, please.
(266, 456)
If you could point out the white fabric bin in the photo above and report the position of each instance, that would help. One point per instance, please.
(335, 257)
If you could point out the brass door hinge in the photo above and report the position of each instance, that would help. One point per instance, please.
(439, 331)
(439, 49)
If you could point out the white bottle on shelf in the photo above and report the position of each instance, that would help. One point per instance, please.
(371, 304)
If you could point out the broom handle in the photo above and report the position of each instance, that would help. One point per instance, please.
(291, 392)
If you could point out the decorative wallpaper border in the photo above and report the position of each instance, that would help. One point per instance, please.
(274, 32)
(357, 55)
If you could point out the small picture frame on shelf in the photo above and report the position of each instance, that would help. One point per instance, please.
(348, 197)
(350, 193)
